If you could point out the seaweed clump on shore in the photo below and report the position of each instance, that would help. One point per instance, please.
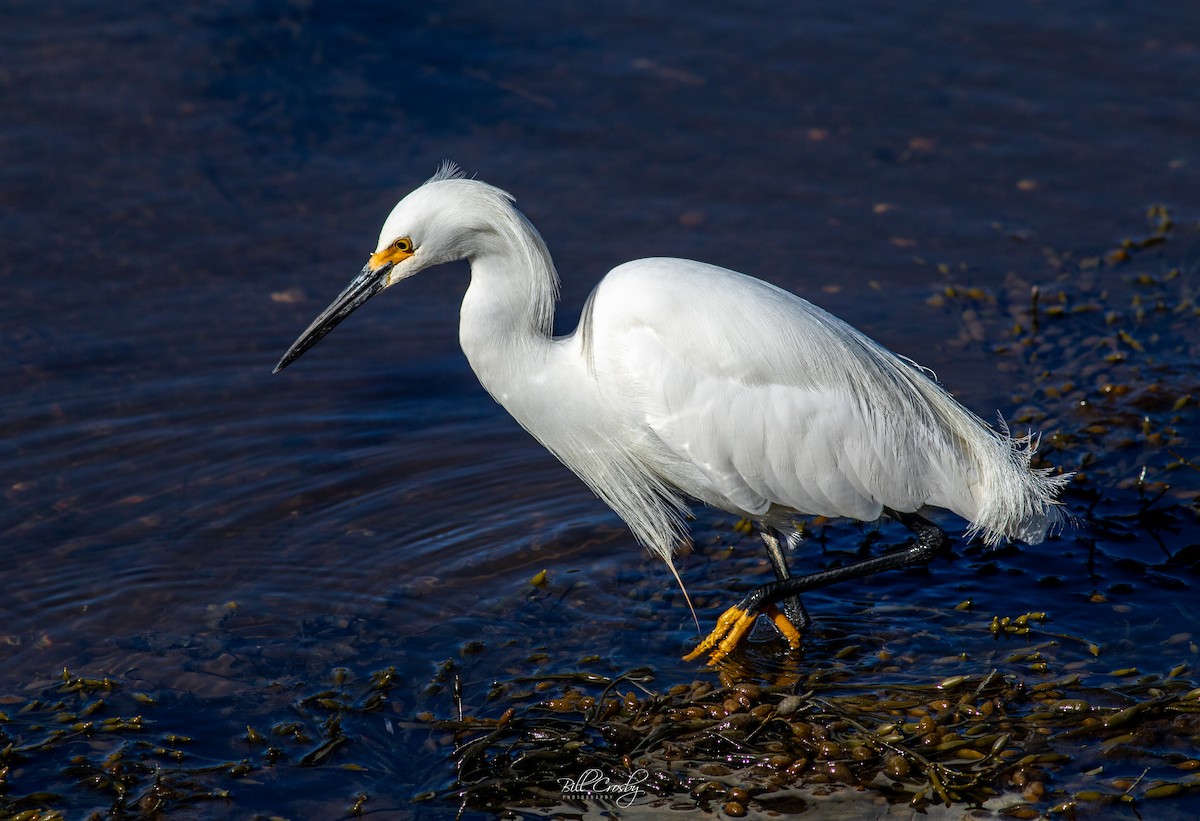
(993, 742)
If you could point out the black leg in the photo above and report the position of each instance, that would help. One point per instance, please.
(931, 543)
(926, 531)
(793, 608)
(737, 620)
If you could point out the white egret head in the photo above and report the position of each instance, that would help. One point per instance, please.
(432, 225)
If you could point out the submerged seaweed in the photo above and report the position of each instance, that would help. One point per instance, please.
(91, 742)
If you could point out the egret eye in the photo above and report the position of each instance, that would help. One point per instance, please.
(403, 244)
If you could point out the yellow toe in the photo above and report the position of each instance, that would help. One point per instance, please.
(731, 628)
(785, 627)
(725, 623)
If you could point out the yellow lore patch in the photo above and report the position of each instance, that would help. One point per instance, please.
(394, 253)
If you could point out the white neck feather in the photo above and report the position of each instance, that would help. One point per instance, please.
(507, 314)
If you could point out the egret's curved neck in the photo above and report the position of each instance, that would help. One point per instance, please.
(508, 311)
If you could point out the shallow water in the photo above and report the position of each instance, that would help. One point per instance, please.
(184, 190)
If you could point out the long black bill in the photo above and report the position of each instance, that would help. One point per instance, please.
(361, 288)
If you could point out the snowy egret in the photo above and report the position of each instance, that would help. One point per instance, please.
(685, 381)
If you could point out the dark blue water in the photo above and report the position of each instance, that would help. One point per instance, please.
(184, 190)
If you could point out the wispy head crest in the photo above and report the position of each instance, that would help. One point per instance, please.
(448, 170)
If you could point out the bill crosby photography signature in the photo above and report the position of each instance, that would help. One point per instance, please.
(595, 784)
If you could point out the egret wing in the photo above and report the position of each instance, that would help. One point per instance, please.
(764, 400)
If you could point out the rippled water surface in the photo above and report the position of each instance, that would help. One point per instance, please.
(185, 189)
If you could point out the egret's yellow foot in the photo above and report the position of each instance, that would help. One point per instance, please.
(733, 626)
